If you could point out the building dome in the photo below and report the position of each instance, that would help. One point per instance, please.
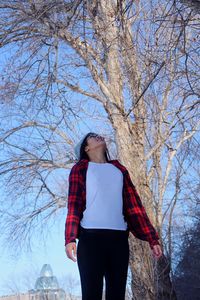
(46, 286)
(46, 271)
(46, 281)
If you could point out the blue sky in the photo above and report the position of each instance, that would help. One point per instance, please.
(14, 270)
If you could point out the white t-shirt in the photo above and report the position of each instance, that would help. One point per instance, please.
(104, 200)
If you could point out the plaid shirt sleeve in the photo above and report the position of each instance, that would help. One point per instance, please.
(75, 201)
(139, 223)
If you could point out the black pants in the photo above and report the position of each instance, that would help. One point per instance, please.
(103, 252)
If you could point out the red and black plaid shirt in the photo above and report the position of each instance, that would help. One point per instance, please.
(134, 213)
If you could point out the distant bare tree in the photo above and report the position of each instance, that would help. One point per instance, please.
(187, 275)
(18, 283)
(129, 65)
(69, 284)
(194, 4)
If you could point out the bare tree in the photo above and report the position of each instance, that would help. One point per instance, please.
(24, 283)
(132, 65)
(194, 4)
(17, 284)
(187, 271)
(69, 284)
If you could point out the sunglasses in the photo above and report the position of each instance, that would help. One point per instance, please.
(95, 135)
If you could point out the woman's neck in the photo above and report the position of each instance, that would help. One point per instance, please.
(98, 159)
(99, 162)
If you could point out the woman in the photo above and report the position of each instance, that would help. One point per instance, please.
(103, 206)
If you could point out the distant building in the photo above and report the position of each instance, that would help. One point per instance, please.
(46, 288)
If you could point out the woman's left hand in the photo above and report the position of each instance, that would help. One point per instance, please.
(157, 251)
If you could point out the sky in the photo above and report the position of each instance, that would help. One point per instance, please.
(15, 270)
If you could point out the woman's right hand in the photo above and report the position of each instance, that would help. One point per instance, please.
(70, 250)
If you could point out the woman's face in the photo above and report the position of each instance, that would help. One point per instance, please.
(96, 141)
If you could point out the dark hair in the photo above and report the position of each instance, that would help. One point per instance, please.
(83, 154)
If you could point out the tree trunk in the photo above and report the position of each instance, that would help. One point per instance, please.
(150, 278)
(131, 142)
